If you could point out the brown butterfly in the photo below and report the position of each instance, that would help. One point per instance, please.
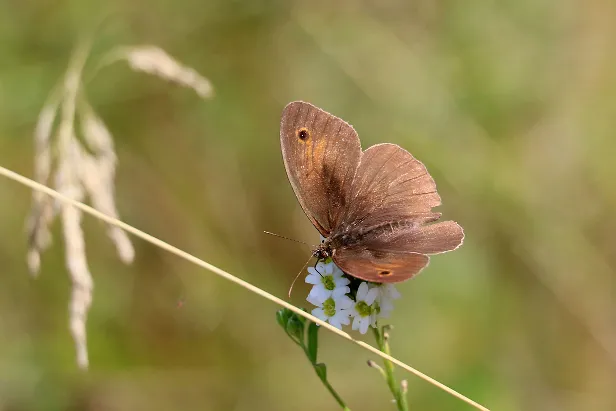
(372, 207)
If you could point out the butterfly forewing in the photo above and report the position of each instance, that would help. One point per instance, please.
(321, 154)
(390, 185)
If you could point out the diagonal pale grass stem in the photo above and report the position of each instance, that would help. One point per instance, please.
(174, 250)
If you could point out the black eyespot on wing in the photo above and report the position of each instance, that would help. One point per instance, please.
(385, 273)
(303, 134)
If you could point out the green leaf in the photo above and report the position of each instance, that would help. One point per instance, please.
(313, 342)
(282, 317)
(321, 370)
(292, 324)
(295, 328)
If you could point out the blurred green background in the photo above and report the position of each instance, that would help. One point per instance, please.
(511, 105)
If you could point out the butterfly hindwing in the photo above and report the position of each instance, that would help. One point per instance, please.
(382, 268)
(394, 252)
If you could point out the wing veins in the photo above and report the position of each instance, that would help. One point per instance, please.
(312, 145)
(362, 218)
(406, 181)
(325, 153)
(374, 176)
(332, 175)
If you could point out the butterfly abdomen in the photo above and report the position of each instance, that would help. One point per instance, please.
(351, 236)
(390, 227)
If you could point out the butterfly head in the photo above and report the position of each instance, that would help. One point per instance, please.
(323, 250)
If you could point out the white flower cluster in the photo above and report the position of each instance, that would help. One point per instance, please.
(332, 296)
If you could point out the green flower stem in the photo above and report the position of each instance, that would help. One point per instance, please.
(330, 388)
(306, 334)
(335, 395)
(382, 341)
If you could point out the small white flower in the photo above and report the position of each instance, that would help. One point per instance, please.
(384, 303)
(328, 281)
(335, 311)
(388, 291)
(363, 311)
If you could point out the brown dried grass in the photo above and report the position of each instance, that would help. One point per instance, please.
(84, 167)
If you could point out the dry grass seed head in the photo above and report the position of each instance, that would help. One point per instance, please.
(76, 170)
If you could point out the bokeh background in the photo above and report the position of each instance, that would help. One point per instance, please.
(511, 105)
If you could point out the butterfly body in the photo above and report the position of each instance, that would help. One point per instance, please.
(354, 236)
(373, 207)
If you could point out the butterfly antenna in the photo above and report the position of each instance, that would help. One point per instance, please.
(286, 238)
(297, 276)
